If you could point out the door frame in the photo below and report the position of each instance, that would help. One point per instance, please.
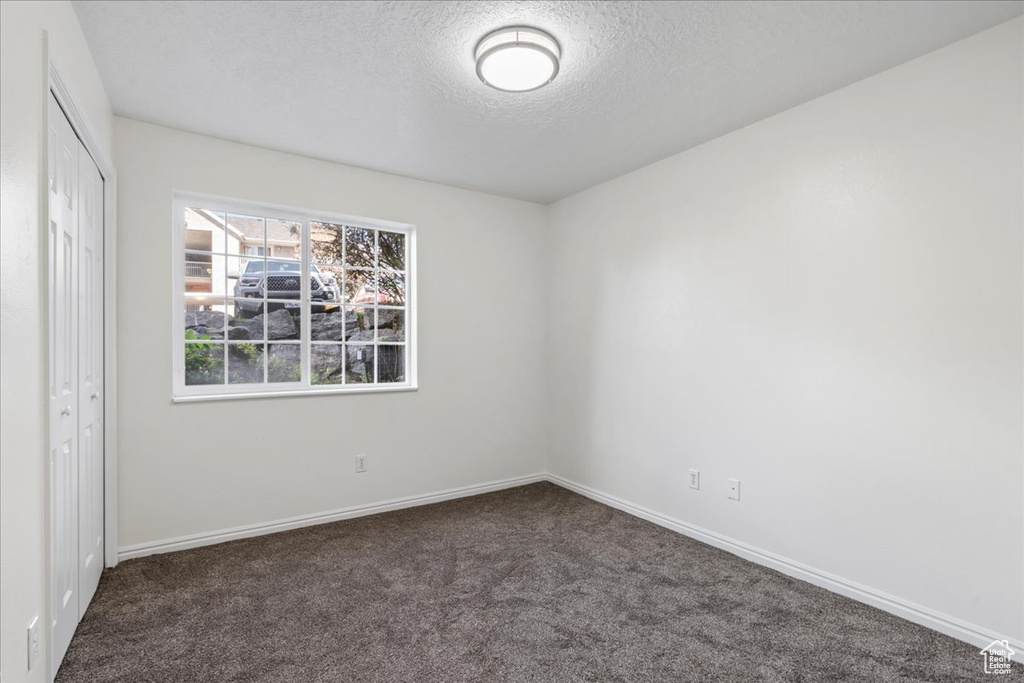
(65, 97)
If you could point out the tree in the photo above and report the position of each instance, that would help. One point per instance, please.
(356, 248)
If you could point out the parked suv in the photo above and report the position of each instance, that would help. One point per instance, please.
(283, 280)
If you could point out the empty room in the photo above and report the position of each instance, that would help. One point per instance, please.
(526, 342)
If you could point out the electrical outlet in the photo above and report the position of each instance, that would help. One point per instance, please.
(695, 479)
(360, 463)
(734, 489)
(33, 644)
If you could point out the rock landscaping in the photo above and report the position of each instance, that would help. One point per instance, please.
(329, 361)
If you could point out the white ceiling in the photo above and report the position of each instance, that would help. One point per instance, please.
(391, 85)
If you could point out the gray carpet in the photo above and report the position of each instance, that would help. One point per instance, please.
(530, 584)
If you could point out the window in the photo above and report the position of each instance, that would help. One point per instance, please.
(271, 301)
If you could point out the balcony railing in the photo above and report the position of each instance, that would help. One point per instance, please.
(198, 269)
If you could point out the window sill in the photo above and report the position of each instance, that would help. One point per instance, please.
(304, 392)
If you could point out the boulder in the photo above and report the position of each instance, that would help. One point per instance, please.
(387, 318)
(327, 363)
(255, 327)
(208, 319)
(291, 353)
(361, 336)
(387, 335)
(284, 362)
(279, 324)
(363, 318)
(331, 326)
(245, 363)
(239, 333)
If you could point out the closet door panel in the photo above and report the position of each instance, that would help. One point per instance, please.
(90, 377)
(63, 291)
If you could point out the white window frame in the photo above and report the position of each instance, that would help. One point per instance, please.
(183, 393)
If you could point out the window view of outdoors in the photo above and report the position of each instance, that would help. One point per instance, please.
(244, 302)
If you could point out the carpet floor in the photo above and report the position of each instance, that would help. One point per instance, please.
(530, 584)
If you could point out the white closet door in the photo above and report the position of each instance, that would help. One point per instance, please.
(63, 282)
(90, 374)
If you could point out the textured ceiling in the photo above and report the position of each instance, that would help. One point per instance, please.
(391, 85)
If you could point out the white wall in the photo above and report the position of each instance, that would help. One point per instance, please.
(826, 305)
(478, 416)
(23, 412)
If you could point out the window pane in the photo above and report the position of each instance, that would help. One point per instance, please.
(245, 276)
(203, 319)
(392, 250)
(284, 363)
(328, 291)
(359, 363)
(392, 289)
(245, 363)
(284, 239)
(360, 249)
(204, 273)
(326, 363)
(204, 363)
(279, 321)
(390, 363)
(360, 321)
(359, 287)
(247, 308)
(282, 281)
(326, 242)
(244, 320)
(390, 325)
(245, 234)
(204, 230)
(331, 325)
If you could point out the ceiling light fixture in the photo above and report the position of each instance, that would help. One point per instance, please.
(517, 59)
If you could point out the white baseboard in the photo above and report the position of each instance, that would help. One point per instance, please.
(943, 623)
(250, 530)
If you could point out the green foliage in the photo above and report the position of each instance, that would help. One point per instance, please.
(204, 363)
(246, 363)
(252, 352)
(325, 377)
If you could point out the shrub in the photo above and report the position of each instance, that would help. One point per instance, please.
(204, 364)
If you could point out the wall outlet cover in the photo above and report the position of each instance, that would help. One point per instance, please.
(695, 479)
(734, 489)
(360, 463)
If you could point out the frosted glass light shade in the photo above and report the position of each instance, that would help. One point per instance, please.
(517, 59)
